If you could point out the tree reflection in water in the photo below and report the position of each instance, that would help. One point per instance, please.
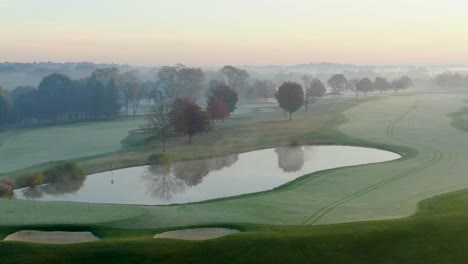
(290, 159)
(54, 189)
(32, 193)
(61, 188)
(161, 182)
(167, 180)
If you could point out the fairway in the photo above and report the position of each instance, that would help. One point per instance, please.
(27, 147)
(418, 121)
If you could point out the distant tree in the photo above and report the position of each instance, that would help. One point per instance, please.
(55, 91)
(168, 81)
(337, 82)
(350, 86)
(315, 90)
(19, 91)
(105, 75)
(290, 97)
(236, 78)
(181, 81)
(27, 106)
(228, 95)
(5, 105)
(381, 84)
(402, 83)
(216, 109)
(215, 83)
(451, 79)
(364, 85)
(264, 88)
(192, 83)
(130, 89)
(188, 118)
(407, 82)
(306, 81)
(158, 122)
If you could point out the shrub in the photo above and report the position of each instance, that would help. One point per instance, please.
(6, 187)
(32, 179)
(160, 158)
(65, 172)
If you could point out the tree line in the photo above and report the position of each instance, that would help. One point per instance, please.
(452, 80)
(292, 96)
(108, 93)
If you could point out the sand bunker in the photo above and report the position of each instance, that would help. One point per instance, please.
(55, 237)
(197, 233)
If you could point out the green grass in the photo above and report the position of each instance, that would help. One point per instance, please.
(292, 224)
(26, 147)
(435, 234)
(460, 119)
(410, 125)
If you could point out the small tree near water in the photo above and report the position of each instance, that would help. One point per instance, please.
(158, 122)
(188, 118)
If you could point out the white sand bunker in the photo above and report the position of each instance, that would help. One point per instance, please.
(55, 237)
(197, 233)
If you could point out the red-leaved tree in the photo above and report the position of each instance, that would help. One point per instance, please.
(188, 118)
(290, 97)
(216, 109)
(228, 95)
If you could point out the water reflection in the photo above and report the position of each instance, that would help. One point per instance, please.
(32, 193)
(290, 159)
(60, 188)
(200, 180)
(166, 180)
(54, 189)
(161, 182)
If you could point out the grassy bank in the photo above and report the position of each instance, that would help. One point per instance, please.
(435, 234)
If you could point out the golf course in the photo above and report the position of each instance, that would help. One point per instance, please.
(406, 210)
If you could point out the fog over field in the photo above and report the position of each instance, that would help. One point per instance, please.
(30, 74)
(247, 131)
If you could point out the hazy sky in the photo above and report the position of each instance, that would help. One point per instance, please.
(218, 32)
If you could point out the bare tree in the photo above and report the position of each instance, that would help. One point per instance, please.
(180, 81)
(158, 122)
(237, 79)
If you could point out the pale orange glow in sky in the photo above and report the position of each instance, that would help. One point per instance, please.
(215, 32)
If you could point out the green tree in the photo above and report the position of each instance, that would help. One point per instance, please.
(290, 96)
(338, 83)
(364, 85)
(381, 84)
(316, 89)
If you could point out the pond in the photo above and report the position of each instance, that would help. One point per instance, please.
(199, 180)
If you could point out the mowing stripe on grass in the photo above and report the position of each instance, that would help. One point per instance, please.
(437, 156)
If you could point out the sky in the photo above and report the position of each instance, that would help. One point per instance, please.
(238, 32)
